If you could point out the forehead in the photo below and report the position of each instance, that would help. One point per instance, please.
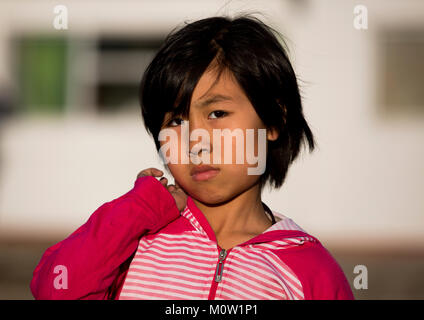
(214, 86)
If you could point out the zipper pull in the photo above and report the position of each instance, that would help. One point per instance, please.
(220, 265)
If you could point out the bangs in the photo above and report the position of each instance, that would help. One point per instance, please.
(169, 80)
(186, 86)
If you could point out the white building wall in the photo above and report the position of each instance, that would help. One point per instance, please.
(362, 185)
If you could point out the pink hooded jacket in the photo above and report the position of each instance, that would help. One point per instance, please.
(139, 246)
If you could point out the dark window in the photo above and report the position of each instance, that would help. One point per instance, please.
(121, 63)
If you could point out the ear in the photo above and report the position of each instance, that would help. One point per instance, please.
(272, 134)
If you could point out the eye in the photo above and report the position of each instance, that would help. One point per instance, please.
(219, 114)
(175, 122)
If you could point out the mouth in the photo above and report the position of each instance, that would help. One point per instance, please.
(203, 172)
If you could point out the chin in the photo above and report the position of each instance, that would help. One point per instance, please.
(211, 198)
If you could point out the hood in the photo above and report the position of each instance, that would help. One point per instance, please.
(285, 233)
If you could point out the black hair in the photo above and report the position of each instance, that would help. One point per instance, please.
(251, 51)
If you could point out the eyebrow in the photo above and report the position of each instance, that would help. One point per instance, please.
(212, 99)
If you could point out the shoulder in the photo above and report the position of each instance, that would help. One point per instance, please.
(321, 276)
(319, 273)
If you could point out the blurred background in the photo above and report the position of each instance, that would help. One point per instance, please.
(72, 138)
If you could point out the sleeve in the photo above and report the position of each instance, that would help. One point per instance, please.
(329, 281)
(319, 273)
(88, 260)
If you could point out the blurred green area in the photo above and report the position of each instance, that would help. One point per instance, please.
(49, 76)
(42, 73)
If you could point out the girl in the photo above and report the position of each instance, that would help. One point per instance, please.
(209, 236)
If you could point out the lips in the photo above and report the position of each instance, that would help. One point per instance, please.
(203, 172)
(200, 169)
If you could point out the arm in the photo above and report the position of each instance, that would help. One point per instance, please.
(321, 276)
(331, 282)
(93, 253)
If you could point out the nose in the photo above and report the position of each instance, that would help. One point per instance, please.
(198, 150)
(200, 147)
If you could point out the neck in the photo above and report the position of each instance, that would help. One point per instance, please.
(241, 214)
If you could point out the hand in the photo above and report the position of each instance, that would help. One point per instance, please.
(179, 195)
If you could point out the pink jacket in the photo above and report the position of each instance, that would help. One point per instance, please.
(139, 246)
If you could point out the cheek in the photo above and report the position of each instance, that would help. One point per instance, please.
(169, 147)
(237, 177)
(250, 149)
(178, 171)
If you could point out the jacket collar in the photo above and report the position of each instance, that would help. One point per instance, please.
(283, 232)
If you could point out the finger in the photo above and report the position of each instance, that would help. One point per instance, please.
(179, 187)
(164, 181)
(150, 172)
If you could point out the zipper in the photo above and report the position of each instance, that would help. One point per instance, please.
(220, 265)
(218, 271)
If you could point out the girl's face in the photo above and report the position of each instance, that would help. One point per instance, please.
(221, 105)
